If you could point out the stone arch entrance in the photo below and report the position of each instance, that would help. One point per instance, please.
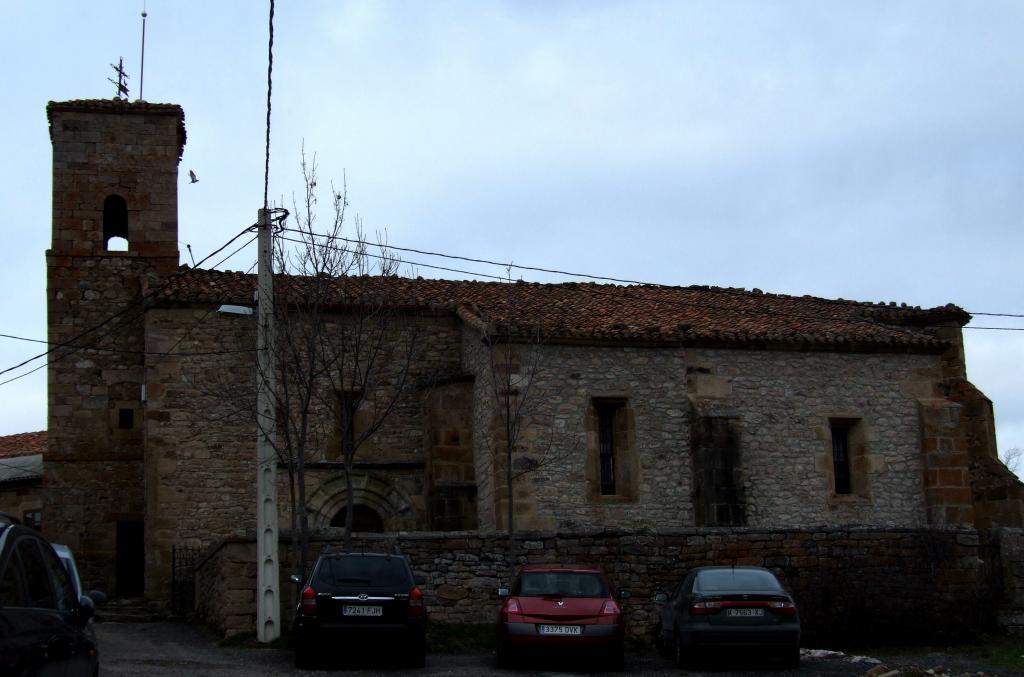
(364, 519)
(372, 494)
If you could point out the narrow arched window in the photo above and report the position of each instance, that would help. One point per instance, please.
(115, 224)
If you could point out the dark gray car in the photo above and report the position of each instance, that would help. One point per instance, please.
(728, 608)
(360, 606)
(43, 623)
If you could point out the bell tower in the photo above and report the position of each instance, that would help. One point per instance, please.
(115, 239)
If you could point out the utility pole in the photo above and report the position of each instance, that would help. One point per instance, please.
(268, 598)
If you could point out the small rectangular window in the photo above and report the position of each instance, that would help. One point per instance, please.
(841, 458)
(606, 434)
(125, 419)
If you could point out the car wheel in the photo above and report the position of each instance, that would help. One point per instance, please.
(791, 659)
(502, 658)
(617, 658)
(417, 657)
(303, 660)
(659, 642)
(681, 656)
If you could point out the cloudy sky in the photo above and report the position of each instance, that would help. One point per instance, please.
(861, 150)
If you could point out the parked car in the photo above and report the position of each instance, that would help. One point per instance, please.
(561, 610)
(68, 558)
(43, 622)
(728, 607)
(353, 598)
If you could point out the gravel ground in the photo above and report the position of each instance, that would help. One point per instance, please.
(172, 649)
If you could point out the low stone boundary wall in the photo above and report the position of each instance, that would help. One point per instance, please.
(853, 586)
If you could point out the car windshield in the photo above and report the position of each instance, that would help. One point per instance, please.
(561, 584)
(355, 571)
(737, 579)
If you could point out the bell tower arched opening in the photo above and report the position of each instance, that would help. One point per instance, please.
(115, 224)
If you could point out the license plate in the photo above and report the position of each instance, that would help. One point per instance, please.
(744, 613)
(362, 611)
(561, 630)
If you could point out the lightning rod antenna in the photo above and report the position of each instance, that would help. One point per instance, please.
(142, 65)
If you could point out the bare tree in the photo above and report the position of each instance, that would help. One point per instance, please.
(1013, 459)
(342, 350)
(515, 355)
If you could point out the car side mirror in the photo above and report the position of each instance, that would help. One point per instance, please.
(625, 594)
(503, 591)
(660, 597)
(86, 609)
(296, 579)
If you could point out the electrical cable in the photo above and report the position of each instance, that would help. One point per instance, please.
(485, 261)
(665, 302)
(115, 351)
(553, 271)
(70, 343)
(270, 86)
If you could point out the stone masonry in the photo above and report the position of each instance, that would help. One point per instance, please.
(92, 489)
(645, 406)
(854, 586)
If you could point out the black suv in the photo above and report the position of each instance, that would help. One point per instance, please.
(353, 598)
(44, 624)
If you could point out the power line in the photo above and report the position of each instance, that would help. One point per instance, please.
(228, 257)
(140, 352)
(27, 373)
(484, 261)
(70, 343)
(553, 271)
(666, 302)
(997, 314)
(270, 86)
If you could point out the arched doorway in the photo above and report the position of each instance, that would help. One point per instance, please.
(379, 504)
(364, 519)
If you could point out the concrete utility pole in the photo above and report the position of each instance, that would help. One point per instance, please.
(268, 598)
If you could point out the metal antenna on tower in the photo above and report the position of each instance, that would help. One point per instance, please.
(122, 86)
(142, 64)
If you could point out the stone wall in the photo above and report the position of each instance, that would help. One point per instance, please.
(562, 388)
(853, 586)
(784, 402)
(92, 485)
(200, 434)
(17, 498)
(780, 406)
(1011, 579)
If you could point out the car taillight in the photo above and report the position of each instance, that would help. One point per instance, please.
(610, 608)
(416, 602)
(705, 608)
(510, 608)
(784, 607)
(308, 601)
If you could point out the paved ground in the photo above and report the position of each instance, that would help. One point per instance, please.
(172, 649)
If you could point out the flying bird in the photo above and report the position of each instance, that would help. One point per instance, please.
(192, 175)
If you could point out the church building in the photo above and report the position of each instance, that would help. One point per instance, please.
(634, 406)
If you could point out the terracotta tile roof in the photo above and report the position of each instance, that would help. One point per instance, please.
(121, 106)
(574, 311)
(23, 444)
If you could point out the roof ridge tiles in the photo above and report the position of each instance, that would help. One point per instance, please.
(623, 312)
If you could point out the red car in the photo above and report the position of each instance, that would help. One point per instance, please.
(561, 610)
